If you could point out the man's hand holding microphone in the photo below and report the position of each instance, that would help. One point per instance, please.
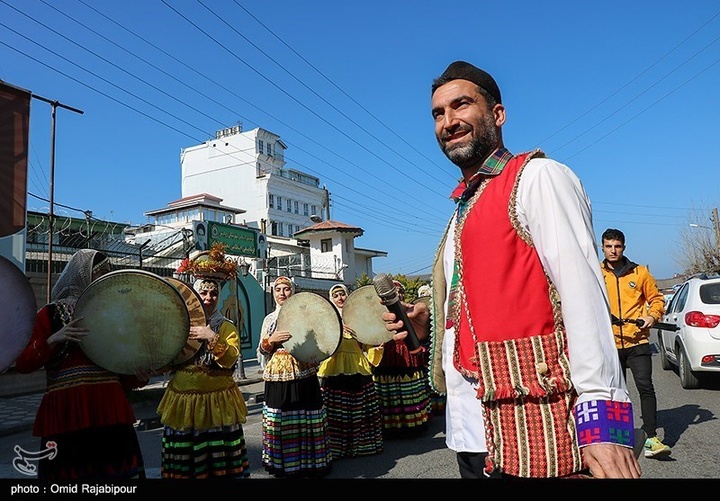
(409, 322)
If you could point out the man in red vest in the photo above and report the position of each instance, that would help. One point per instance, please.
(521, 340)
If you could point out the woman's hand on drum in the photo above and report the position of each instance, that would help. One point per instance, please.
(279, 337)
(69, 332)
(201, 333)
(347, 330)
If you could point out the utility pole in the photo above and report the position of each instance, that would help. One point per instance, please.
(716, 227)
(51, 213)
(327, 203)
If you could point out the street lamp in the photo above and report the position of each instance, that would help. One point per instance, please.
(715, 230)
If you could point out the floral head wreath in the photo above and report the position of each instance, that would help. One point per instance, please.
(212, 264)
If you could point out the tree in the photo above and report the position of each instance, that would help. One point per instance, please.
(699, 245)
(364, 280)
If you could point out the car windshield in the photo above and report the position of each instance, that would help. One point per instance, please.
(710, 293)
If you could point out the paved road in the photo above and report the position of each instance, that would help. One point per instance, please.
(688, 421)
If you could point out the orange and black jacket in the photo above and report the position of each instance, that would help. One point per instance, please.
(633, 293)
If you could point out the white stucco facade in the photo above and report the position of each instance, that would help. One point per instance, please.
(247, 170)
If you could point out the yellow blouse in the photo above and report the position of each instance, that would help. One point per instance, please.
(201, 397)
(351, 357)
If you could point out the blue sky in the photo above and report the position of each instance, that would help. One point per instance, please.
(625, 93)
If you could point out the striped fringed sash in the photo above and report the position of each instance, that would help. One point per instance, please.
(528, 399)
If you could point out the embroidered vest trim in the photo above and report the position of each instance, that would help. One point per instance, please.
(520, 361)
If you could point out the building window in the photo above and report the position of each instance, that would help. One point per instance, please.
(326, 245)
(313, 208)
(296, 206)
(279, 202)
(281, 229)
(271, 200)
(305, 210)
(269, 149)
(288, 205)
(260, 146)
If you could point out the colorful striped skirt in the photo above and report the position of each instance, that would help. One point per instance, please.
(404, 401)
(295, 429)
(214, 453)
(353, 410)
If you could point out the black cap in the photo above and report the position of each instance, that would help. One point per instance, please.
(460, 70)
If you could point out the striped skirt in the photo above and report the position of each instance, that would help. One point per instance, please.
(353, 411)
(404, 401)
(213, 453)
(295, 429)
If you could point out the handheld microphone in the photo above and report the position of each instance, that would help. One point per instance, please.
(386, 290)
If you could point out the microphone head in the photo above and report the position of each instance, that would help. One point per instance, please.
(385, 287)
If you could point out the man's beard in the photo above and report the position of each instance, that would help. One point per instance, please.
(478, 149)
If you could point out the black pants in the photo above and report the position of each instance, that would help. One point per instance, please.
(639, 360)
(472, 465)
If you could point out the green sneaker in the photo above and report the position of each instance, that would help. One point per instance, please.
(654, 448)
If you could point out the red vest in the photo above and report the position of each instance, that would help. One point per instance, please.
(510, 336)
(505, 286)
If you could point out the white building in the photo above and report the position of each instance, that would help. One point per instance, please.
(247, 170)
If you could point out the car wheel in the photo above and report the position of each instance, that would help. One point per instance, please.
(664, 362)
(688, 380)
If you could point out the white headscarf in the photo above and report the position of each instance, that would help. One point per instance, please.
(268, 325)
(76, 276)
(216, 318)
(335, 288)
(282, 280)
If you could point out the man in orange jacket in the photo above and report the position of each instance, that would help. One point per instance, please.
(634, 294)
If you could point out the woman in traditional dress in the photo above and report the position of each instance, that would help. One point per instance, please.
(354, 422)
(84, 415)
(203, 409)
(402, 386)
(294, 421)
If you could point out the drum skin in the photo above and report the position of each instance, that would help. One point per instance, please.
(17, 312)
(197, 318)
(314, 324)
(136, 320)
(362, 312)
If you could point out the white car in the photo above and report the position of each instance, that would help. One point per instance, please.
(694, 348)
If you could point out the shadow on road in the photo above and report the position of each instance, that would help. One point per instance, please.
(380, 465)
(676, 421)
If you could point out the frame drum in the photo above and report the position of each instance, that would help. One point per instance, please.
(17, 312)
(314, 324)
(136, 319)
(362, 312)
(197, 318)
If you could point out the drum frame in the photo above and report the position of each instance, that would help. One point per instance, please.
(362, 313)
(285, 323)
(18, 311)
(149, 359)
(198, 318)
